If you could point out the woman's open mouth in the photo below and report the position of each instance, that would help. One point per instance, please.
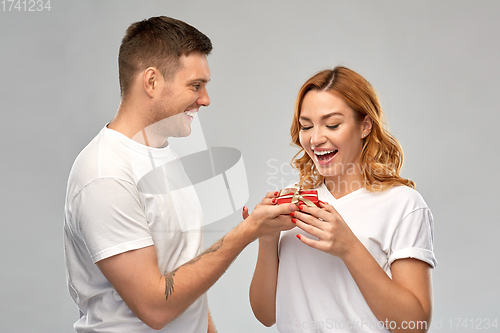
(325, 156)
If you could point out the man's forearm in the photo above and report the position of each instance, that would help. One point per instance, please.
(191, 280)
(169, 278)
(157, 299)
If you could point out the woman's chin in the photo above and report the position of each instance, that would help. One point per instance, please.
(328, 170)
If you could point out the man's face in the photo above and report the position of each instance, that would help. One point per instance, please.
(182, 96)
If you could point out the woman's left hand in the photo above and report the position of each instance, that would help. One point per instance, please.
(334, 235)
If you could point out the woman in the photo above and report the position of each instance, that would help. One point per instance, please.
(362, 261)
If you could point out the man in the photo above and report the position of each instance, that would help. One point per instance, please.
(131, 266)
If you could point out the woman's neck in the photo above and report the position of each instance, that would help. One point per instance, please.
(343, 184)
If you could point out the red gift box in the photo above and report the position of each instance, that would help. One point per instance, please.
(296, 196)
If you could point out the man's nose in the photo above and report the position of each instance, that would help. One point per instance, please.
(204, 99)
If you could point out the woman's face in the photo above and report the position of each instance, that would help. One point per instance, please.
(330, 134)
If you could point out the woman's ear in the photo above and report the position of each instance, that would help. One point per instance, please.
(367, 126)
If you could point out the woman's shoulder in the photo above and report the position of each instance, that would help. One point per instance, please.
(404, 194)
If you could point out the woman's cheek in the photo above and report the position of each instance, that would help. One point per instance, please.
(305, 143)
(303, 140)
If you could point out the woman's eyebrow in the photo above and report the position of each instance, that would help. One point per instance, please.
(331, 115)
(323, 117)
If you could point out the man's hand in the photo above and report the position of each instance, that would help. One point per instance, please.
(268, 219)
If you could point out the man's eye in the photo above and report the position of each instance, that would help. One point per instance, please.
(196, 86)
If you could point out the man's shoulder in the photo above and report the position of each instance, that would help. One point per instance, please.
(104, 157)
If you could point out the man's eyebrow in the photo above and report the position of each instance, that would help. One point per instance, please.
(200, 80)
(325, 116)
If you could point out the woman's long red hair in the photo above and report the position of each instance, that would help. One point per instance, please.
(381, 156)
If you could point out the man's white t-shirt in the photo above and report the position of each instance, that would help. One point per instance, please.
(316, 292)
(124, 196)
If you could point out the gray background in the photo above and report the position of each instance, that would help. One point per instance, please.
(435, 65)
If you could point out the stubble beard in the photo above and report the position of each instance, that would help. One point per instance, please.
(165, 124)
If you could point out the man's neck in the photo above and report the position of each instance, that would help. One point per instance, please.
(129, 122)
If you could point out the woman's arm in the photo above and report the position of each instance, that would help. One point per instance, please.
(403, 302)
(265, 276)
(264, 281)
(211, 325)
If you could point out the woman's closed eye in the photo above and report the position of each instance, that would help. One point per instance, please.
(308, 127)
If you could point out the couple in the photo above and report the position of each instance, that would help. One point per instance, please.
(359, 262)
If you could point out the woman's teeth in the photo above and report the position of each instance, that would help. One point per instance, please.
(324, 152)
(190, 113)
(325, 155)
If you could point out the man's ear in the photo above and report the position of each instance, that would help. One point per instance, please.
(150, 80)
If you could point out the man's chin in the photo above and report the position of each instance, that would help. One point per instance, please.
(181, 134)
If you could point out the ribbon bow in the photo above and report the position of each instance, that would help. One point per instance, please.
(297, 197)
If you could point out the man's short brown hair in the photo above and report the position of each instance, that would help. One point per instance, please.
(157, 42)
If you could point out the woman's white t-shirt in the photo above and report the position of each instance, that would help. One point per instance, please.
(316, 292)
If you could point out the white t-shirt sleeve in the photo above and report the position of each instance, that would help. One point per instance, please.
(414, 238)
(110, 218)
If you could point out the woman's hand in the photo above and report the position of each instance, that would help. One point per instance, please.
(406, 297)
(244, 212)
(334, 235)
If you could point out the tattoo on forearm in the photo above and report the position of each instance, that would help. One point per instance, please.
(211, 249)
(169, 278)
(169, 283)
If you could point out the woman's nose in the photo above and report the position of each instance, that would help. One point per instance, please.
(317, 137)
